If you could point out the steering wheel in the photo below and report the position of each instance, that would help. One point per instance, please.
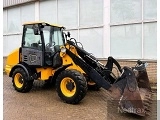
(48, 45)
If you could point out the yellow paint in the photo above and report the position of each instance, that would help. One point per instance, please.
(64, 90)
(45, 73)
(18, 80)
(12, 60)
(68, 60)
(42, 22)
(8, 69)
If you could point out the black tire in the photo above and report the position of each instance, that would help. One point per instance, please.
(20, 81)
(49, 83)
(94, 87)
(78, 83)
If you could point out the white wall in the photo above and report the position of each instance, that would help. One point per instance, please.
(13, 18)
(122, 29)
(10, 43)
(133, 29)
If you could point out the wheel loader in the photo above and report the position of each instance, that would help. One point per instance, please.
(49, 54)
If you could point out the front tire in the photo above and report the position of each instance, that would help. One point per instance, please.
(71, 86)
(20, 81)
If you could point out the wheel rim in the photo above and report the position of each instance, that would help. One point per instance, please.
(68, 87)
(18, 80)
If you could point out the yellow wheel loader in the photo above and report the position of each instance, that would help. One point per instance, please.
(47, 53)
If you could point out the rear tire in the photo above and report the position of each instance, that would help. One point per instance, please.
(20, 81)
(94, 87)
(49, 83)
(71, 86)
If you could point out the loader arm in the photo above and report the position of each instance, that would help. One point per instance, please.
(125, 90)
(90, 71)
(103, 70)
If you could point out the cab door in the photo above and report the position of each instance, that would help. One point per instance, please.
(32, 46)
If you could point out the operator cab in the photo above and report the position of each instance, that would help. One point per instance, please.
(41, 44)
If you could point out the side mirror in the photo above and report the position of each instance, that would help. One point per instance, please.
(68, 34)
(36, 31)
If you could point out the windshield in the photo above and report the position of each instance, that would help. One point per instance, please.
(52, 35)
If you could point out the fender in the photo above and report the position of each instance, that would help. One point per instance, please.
(25, 68)
(60, 70)
(90, 71)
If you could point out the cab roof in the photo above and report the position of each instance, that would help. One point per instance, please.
(41, 22)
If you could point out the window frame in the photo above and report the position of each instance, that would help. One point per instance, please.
(141, 22)
(23, 39)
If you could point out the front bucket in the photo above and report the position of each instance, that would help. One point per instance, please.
(144, 85)
(131, 102)
(131, 97)
(142, 76)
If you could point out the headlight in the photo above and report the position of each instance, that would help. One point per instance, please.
(63, 50)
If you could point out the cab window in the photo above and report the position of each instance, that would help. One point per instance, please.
(31, 39)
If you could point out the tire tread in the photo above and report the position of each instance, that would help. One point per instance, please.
(27, 83)
(82, 86)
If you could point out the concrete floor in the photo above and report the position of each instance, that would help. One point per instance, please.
(44, 104)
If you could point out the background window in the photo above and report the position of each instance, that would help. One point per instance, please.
(68, 13)
(150, 9)
(14, 23)
(49, 13)
(132, 36)
(91, 12)
(126, 10)
(92, 40)
(4, 21)
(126, 41)
(150, 40)
(27, 13)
